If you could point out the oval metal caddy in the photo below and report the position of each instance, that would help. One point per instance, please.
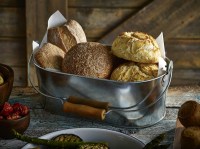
(131, 104)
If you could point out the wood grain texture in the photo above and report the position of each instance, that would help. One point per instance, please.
(12, 3)
(160, 16)
(176, 96)
(108, 4)
(37, 14)
(13, 51)
(12, 38)
(98, 21)
(12, 23)
(186, 77)
(184, 53)
(20, 76)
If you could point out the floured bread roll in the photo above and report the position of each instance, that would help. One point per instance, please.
(49, 56)
(67, 35)
(89, 59)
(137, 47)
(131, 71)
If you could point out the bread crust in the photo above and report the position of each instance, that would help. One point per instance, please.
(190, 138)
(49, 56)
(67, 35)
(131, 72)
(89, 59)
(189, 113)
(137, 47)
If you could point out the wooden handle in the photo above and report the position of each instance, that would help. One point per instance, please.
(89, 102)
(84, 110)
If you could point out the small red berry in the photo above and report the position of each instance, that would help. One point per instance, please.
(7, 109)
(1, 117)
(16, 107)
(13, 116)
(24, 110)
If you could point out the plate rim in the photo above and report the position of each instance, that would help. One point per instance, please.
(96, 129)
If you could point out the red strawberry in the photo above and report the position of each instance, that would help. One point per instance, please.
(7, 109)
(13, 116)
(24, 110)
(16, 107)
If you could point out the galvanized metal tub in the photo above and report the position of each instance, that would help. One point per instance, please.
(132, 104)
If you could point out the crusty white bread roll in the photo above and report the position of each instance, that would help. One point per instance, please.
(89, 59)
(131, 72)
(49, 56)
(136, 47)
(67, 35)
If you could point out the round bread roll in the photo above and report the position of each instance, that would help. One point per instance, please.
(189, 113)
(66, 36)
(49, 56)
(137, 47)
(89, 59)
(131, 71)
(190, 138)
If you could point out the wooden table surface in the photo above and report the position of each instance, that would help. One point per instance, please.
(43, 122)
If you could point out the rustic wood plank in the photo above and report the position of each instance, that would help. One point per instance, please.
(12, 3)
(96, 22)
(184, 53)
(186, 77)
(22, 91)
(37, 14)
(177, 95)
(191, 30)
(12, 23)
(156, 17)
(13, 51)
(20, 77)
(110, 3)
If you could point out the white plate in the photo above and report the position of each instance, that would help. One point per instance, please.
(116, 140)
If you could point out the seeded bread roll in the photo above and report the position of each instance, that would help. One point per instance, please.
(190, 138)
(89, 59)
(131, 71)
(137, 47)
(49, 56)
(67, 35)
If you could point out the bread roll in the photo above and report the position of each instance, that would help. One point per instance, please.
(190, 138)
(137, 47)
(67, 35)
(189, 114)
(131, 71)
(89, 59)
(49, 56)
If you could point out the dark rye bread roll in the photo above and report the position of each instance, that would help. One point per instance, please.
(67, 35)
(49, 56)
(89, 59)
